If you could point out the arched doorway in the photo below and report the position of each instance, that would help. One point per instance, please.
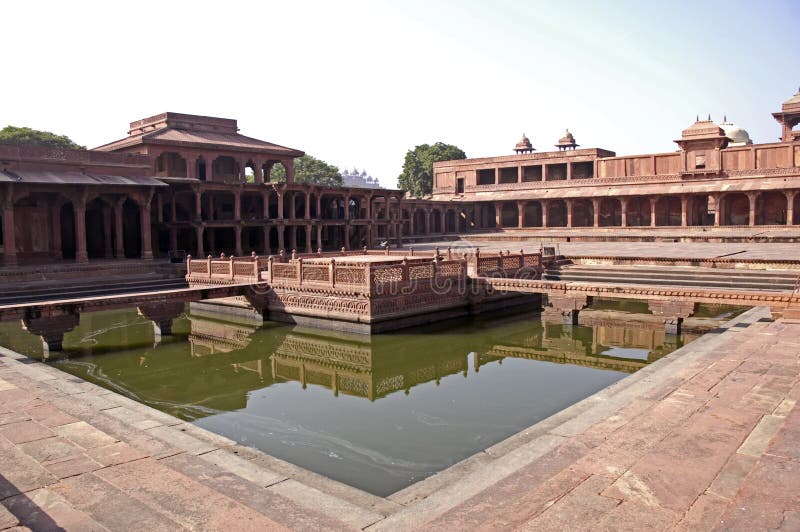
(557, 213)
(735, 209)
(771, 208)
(582, 213)
(638, 214)
(532, 216)
(67, 218)
(668, 211)
(610, 213)
(131, 229)
(509, 215)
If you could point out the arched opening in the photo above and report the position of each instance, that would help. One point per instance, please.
(582, 213)
(771, 208)
(67, 219)
(96, 229)
(557, 213)
(735, 209)
(250, 172)
(252, 206)
(610, 213)
(638, 212)
(668, 211)
(700, 210)
(277, 172)
(131, 229)
(203, 171)
(419, 222)
(170, 164)
(187, 240)
(225, 169)
(509, 215)
(450, 221)
(436, 221)
(312, 198)
(532, 215)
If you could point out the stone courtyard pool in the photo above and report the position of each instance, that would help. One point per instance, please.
(379, 413)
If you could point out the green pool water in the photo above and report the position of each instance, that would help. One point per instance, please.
(379, 413)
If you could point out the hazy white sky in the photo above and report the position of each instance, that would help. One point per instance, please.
(359, 83)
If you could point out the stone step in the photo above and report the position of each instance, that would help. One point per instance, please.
(665, 276)
(679, 271)
(717, 283)
(76, 291)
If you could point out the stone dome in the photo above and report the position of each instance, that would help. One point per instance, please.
(524, 144)
(737, 135)
(567, 141)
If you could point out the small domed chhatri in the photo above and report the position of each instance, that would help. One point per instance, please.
(567, 142)
(524, 145)
(736, 135)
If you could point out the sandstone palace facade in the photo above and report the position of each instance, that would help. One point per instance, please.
(717, 178)
(193, 183)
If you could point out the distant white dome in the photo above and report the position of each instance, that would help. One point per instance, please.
(737, 135)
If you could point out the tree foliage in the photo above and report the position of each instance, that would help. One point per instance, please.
(417, 175)
(308, 169)
(25, 136)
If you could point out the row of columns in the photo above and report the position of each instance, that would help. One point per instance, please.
(596, 202)
(10, 256)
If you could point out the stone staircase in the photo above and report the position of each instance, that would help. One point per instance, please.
(73, 289)
(563, 269)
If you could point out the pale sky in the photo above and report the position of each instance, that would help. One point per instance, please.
(359, 83)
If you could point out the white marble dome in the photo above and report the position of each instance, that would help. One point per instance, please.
(737, 135)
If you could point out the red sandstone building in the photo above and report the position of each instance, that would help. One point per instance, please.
(194, 183)
(717, 178)
(177, 182)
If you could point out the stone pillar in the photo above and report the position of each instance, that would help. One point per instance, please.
(281, 238)
(653, 202)
(570, 208)
(596, 212)
(212, 240)
(9, 233)
(427, 221)
(790, 194)
(673, 312)
(307, 214)
(369, 207)
(411, 221)
(198, 206)
(568, 307)
(319, 205)
(442, 220)
(108, 250)
(289, 165)
(543, 203)
(309, 248)
(753, 197)
(498, 215)
(267, 243)
(119, 238)
(80, 232)
(147, 249)
(623, 203)
(237, 205)
(684, 210)
(347, 206)
(265, 205)
(319, 235)
(199, 230)
(569, 171)
(55, 215)
(520, 214)
(280, 206)
(238, 231)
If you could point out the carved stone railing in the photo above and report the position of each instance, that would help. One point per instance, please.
(507, 264)
(328, 271)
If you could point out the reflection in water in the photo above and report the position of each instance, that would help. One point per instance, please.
(376, 412)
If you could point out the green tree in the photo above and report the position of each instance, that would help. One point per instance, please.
(417, 176)
(25, 136)
(308, 169)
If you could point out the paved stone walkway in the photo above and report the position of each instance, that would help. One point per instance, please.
(708, 437)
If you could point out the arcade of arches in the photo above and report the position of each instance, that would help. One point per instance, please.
(721, 209)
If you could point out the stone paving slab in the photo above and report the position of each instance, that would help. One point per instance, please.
(704, 438)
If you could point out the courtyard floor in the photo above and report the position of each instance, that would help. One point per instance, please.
(705, 438)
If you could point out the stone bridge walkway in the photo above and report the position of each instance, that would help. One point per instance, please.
(708, 437)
